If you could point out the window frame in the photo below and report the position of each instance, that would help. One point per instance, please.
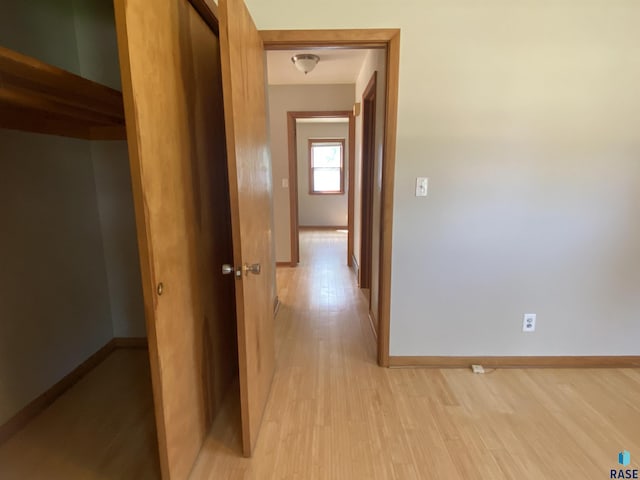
(330, 141)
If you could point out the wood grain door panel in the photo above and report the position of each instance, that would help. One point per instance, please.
(251, 208)
(172, 89)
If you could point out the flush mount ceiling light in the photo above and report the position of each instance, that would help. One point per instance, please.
(305, 62)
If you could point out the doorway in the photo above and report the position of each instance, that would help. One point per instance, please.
(388, 41)
(294, 119)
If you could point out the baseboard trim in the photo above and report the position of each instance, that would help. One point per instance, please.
(355, 267)
(33, 408)
(372, 324)
(285, 264)
(36, 406)
(518, 362)
(131, 342)
(322, 227)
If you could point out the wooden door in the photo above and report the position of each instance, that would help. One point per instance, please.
(172, 86)
(251, 216)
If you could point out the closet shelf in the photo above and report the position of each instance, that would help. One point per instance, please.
(37, 97)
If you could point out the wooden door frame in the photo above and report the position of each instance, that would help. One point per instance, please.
(367, 184)
(388, 39)
(292, 144)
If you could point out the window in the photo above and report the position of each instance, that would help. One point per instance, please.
(326, 166)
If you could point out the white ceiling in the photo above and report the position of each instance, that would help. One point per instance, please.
(335, 66)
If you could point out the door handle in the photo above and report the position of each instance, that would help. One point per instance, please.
(251, 268)
(228, 270)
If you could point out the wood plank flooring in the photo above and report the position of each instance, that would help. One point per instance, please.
(102, 428)
(333, 414)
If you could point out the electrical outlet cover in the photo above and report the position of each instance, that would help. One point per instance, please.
(529, 322)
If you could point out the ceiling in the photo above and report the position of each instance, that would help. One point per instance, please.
(335, 66)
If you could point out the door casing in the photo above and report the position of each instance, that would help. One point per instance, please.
(293, 178)
(367, 183)
(389, 39)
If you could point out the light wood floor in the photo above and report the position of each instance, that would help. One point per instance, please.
(333, 414)
(102, 428)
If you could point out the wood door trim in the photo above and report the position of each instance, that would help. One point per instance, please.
(386, 209)
(292, 140)
(292, 148)
(517, 362)
(369, 99)
(365, 38)
(351, 168)
(349, 38)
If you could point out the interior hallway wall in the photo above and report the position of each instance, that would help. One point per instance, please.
(98, 61)
(523, 115)
(283, 99)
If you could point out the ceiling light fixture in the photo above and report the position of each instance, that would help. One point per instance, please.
(305, 62)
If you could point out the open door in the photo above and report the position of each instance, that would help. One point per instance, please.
(243, 81)
(172, 88)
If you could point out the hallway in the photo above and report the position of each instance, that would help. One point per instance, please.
(334, 414)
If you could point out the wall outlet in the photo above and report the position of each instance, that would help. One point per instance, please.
(529, 322)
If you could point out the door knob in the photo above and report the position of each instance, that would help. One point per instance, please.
(228, 270)
(251, 268)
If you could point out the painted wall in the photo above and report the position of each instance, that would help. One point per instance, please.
(41, 29)
(118, 226)
(284, 98)
(56, 293)
(524, 117)
(98, 58)
(321, 210)
(96, 41)
(375, 61)
(54, 296)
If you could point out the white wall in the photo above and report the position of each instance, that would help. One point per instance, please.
(284, 98)
(98, 58)
(321, 210)
(41, 29)
(56, 293)
(96, 41)
(524, 117)
(118, 226)
(54, 296)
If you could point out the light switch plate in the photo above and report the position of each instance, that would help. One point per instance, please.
(422, 184)
(285, 183)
